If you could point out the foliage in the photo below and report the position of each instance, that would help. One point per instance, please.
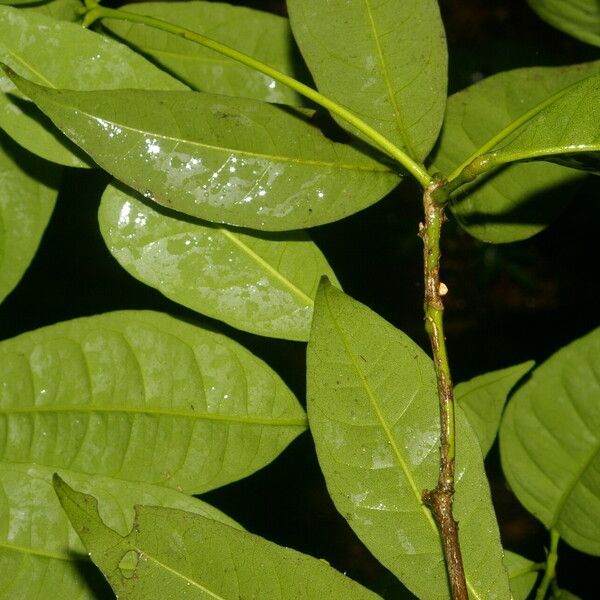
(221, 155)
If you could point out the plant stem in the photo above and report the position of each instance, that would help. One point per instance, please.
(550, 570)
(440, 499)
(416, 169)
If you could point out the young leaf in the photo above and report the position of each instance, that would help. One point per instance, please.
(30, 43)
(228, 160)
(28, 190)
(521, 574)
(579, 18)
(385, 60)
(482, 400)
(39, 547)
(182, 407)
(176, 554)
(262, 35)
(373, 412)
(263, 283)
(549, 441)
(518, 200)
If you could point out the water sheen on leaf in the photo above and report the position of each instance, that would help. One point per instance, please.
(483, 398)
(550, 443)
(28, 190)
(373, 412)
(385, 60)
(262, 283)
(30, 43)
(263, 36)
(175, 554)
(518, 200)
(228, 160)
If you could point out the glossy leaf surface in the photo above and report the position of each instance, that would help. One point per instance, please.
(223, 159)
(579, 18)
(143, 397)
(37, 543)
(176, 554)
(550, 441)
(521, 575)
(519, 200)
(373, 412)
(30, 43)
(263, 36)
(28, 190)
(483, 398)
(262, 283)
(385, 60)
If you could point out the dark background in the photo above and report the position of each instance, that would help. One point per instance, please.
(507, 303)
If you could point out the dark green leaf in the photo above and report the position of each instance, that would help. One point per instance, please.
(263, 283)
(385, 60)
(373, 412)
(176, 554)
(227, 160)
(522, 574)
(263, 36)
(30, 43)
(579, 18)
(518, 200)
(482, 399)
(550, 443)
(28, 190)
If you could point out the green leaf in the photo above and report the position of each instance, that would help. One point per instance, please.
(518, 200)
(550, 443)
(61, 10)
(176, 554)
(28, 190)
(262, 283)
(385, 60)
(37, 542)
(30, 43)
(263, 36)
(483, 398)
(227, 160)
(522, 575)
(579, 18)
(182, 407)
(373, 412)
(559, 594)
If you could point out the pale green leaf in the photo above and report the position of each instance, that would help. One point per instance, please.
(28, 190)
(30, 43)
(61, 10)
(483, 398)
(522, 574)
(228, 160)
(373, 412)
(550, 443)
(262, 283)
(385, 60)
(263, 36)
(176, 554)
(579, 18)
(142, 397)
(37, 543)
(518, 200)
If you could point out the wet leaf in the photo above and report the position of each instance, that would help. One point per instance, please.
(38, 544)
(483, 398)
(176, 554)
(579, 18)
(30, 43)
(223, 159)
(550, 441)
(373, 412)
(143, 397)
(28, 190)
(262, 283)
(522, 575)
(263, 36)
(519, 200)
(385, 60)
